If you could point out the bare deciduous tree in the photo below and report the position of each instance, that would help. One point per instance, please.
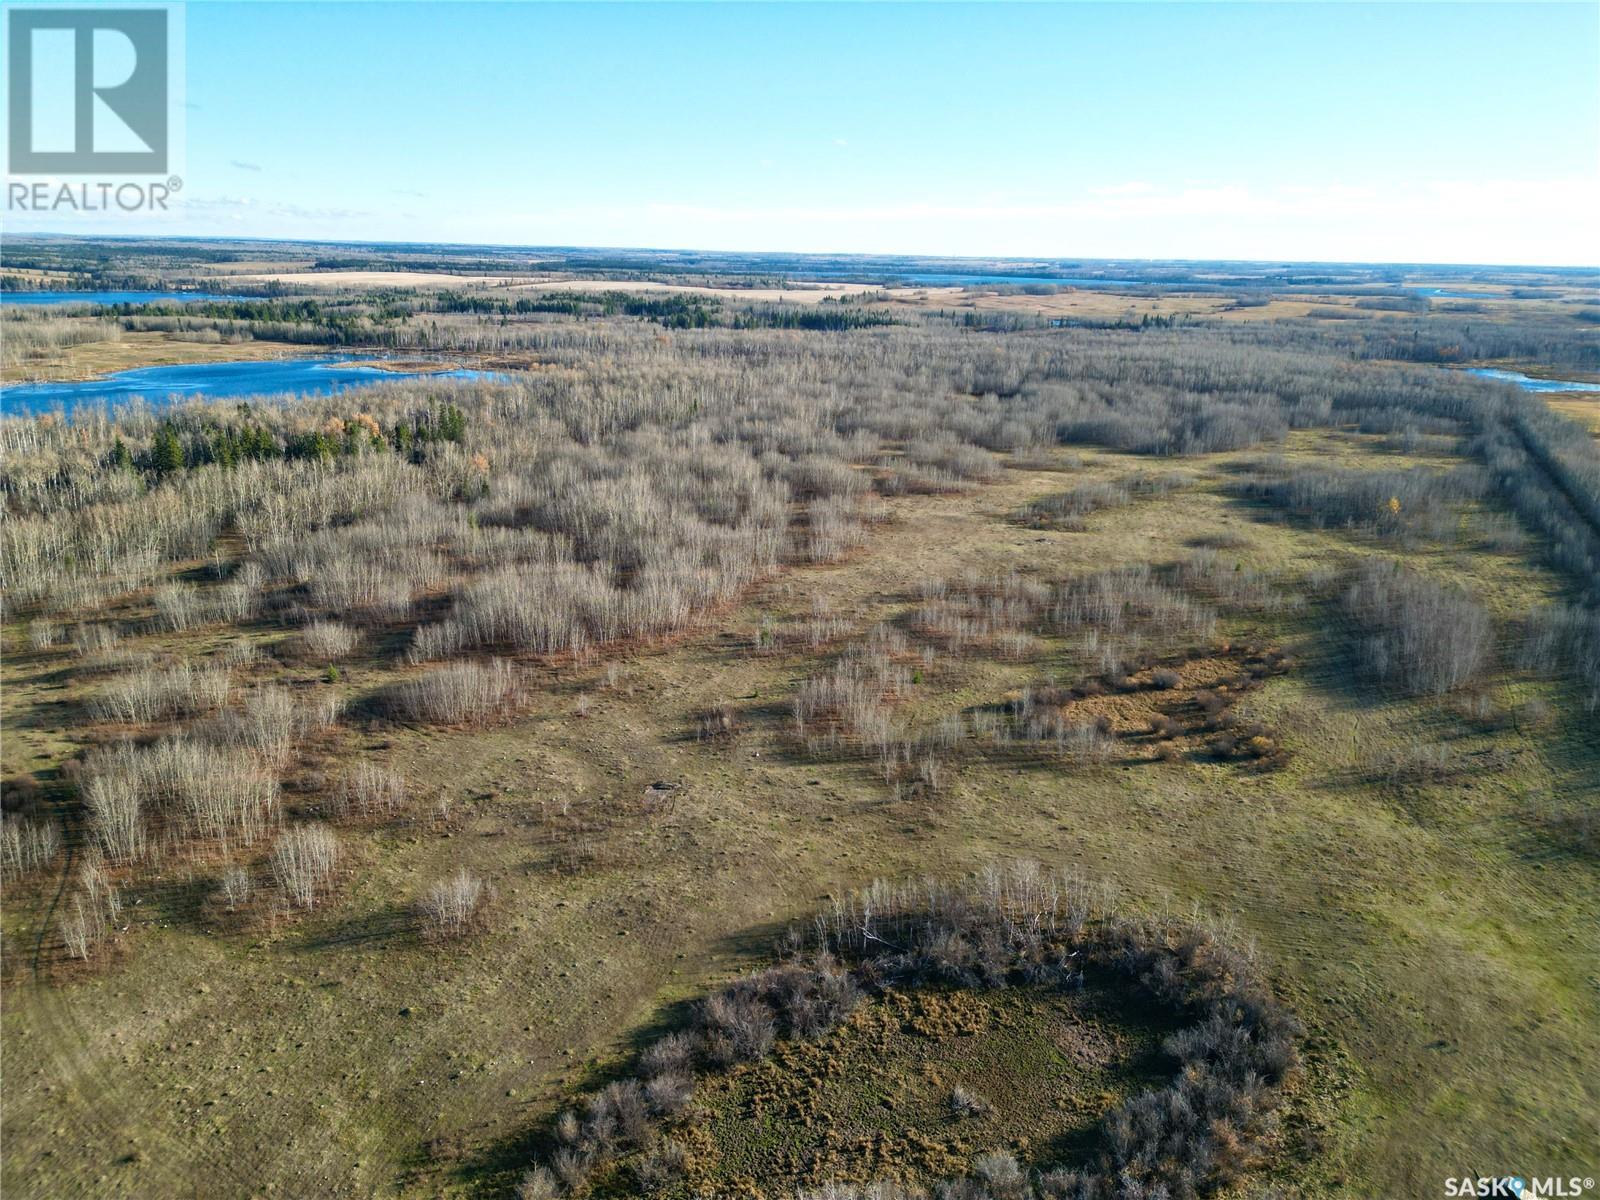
(27, 843)
(451, 905)
(370, 790)
(460, 693)
(236, 887)
(303, 861)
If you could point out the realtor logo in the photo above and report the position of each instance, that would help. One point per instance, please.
(88, 91)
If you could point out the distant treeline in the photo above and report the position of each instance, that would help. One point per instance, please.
(46, 283)
(672, 310)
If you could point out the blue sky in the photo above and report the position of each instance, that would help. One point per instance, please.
(1427, 132)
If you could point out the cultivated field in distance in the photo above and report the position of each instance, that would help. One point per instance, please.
(780, 725)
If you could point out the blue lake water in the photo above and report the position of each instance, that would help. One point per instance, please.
(1529, 384)
(160, 385)
(38, 298)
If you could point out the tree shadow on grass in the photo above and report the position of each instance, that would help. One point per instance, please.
(390, 926)
(180, 903)
(1149, 1068)
(494, 1169)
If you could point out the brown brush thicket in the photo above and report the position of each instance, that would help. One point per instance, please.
(637, 480)
(1012, 927)
(30, 335)
(184, 785)
(206, 786)
(91, 912)
(326, 641)
(463, 693)
(148, 695)
(634, 484)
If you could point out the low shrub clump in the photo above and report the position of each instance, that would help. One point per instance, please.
(153, 695)
(463, 693)
(326, 641)
(451, 907)
(1067, 510)
(370, 790)
(303, 862)
(1007, 928)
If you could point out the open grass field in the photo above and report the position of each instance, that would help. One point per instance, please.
(129, 351)
(1583, 408)
(1110, 304)
(801, 293)
(1435, 936)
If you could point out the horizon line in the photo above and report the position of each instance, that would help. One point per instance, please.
(839, 254)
